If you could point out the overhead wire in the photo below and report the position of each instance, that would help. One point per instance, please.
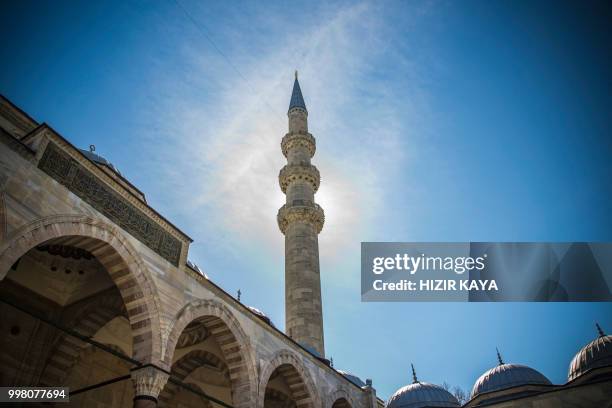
(205, 33)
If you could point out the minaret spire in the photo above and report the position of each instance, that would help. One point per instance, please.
(301, 220)
(297, 100)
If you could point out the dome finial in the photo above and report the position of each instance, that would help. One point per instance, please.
(499, 357)
(296, 74)
(599, 330)
(414, 377)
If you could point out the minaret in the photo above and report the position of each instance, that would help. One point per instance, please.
(301, 220)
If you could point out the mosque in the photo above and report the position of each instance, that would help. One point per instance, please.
(97, 294)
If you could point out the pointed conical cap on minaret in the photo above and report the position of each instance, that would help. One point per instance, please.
(297, 100)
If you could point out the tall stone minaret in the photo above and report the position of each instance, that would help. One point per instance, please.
(301, 220)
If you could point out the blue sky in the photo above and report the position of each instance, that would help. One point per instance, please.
(435, 121)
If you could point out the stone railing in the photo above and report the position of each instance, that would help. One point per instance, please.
(310, 213)
(294, 139)
(291, 173)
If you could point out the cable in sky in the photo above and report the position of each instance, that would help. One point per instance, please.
(203, 30)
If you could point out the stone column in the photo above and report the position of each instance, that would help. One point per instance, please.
(148, 383)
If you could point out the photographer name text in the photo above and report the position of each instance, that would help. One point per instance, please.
(421, 263)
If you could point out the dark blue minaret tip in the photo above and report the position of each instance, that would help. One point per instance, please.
(297, 100)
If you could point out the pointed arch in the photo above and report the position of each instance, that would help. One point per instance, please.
(340, 399)
(185, 366)
(232, 340)
(297, 377)
(125, 267)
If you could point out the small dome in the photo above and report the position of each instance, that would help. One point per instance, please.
(507, 376)
(196, 268)
(352, 378)
(96, 158)
(311, 350)
(422, 395)
(261, 315)
(597, 353)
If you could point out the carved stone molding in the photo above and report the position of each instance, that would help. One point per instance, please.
(312, 214)
(291, 140)
(21, 123)
(68, 172)
(148, 381)
(291, 173)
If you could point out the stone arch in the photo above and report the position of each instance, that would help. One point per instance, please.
(232, 340)
(116, 254)
(341, 403)
(185, 366)
(67, 349)
(340, 399)
(300, 381)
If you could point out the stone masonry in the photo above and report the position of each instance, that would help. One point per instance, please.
(301, 220)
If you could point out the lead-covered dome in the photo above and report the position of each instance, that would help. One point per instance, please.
(597, 353)
(422, 395)
(96, 158)
(506, 376)
(261, 315)
(352, 378)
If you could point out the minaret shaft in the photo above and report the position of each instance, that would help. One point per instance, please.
(301, 220)
(303, 309)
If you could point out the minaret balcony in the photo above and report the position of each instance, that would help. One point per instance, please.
(291, 173)
(311, 213)
(295, 139)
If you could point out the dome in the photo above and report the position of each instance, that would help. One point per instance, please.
(96, 158)
(507, 376)
(597, 353)
(311, 350)
(352, 378)
(196, 268)
(421, 395)
(261, 315)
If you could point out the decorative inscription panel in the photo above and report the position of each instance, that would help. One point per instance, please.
(67, 171)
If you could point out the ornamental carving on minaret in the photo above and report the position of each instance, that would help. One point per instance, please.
(308, 212)
(298, 139)
(306, 173)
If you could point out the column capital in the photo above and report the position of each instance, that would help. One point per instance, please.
(148, 381)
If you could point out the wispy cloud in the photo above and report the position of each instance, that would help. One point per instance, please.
(223, 156)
